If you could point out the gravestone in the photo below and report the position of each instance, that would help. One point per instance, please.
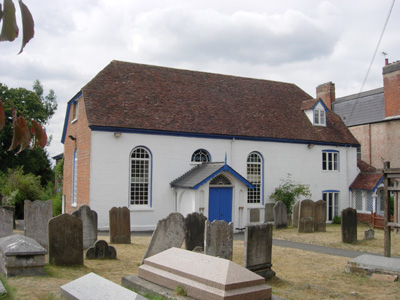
(170, 232)
(258, 249)
(306, 216)
(95, 287)
(349, 225)
(254, 215)
(369, 234)
(280, 215)
(218, 239)
(65, 241)
(269, 212)
(21, 256)
(6, 222)
(101, 250)
(295, 216)
(194, 231)
(89, 224)
(202, 276)
(320, 216)
(120, 225)
(36, 218)
(12, 209)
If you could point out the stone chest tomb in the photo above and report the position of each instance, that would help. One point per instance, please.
(21, 256)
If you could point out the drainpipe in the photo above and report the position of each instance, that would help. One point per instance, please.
(370, 144)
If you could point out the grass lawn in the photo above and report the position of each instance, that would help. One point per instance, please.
(300, 274)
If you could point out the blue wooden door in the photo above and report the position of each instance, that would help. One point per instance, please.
(220, 204)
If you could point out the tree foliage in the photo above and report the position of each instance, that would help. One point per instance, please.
(9, 30)
(36, 109)
(288, 191)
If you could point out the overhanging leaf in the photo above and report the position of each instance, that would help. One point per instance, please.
(2, 116)
(21, 133)
(9, 30)
(39, 133)
(27, 25)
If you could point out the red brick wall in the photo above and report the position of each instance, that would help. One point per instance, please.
(391, 85)
(80, 130)
(326, 92)
(364, 218)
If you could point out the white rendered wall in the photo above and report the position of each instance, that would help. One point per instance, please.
(110, 162)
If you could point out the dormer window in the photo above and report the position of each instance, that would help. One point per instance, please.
(319, 117)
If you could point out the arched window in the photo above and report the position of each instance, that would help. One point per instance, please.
(254, 175)
(201, 155)
(140, 193)
(75, 178)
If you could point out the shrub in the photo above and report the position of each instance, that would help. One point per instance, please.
(288, 191)
(337, 220)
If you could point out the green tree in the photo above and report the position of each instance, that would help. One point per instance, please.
(288, 191)
(18, 186)
(32, 107)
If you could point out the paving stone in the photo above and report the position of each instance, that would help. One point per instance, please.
(374, 264)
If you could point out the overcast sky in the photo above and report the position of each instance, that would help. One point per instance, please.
(306, 42)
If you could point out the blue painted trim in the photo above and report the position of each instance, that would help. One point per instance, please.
(151, 176)
(333, 151)
(377, 185)
(215, 136)
(322, 103)
(331, 191)
(228, 169)
(204, 150)
(70, 102)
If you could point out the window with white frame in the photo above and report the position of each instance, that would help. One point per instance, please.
(200, 156)
(332, 204)
(330, 160)
(140, 177)
(363, 200)
(75, 178)
(359, 200)
(319, 117)
(254, 175)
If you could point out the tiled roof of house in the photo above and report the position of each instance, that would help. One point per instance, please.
(144, 97)
(363, 108)
(367, 179)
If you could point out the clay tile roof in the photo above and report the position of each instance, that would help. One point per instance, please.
(308, 104)
(368, 179)
(144, 97)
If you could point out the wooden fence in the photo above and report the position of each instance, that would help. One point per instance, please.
(378, 221)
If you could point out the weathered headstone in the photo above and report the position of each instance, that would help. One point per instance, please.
(194, 230)
(6, 222)
(101, 250)
(120, 225)
(258, 249)
(349, 225)
(21, 256)
(306, 216)
(12, 209)
(320, 216)
(254, 215)
(269, 212)
(218, 239)
(89, 224)
(65, 241)
(280, 215)
(203, 277)
(295, 214)
(170, 232)
(369, 234)
(36, 218)
(95, 287)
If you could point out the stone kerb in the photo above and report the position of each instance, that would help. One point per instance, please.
(269, 212)
(120, 225)
(89, 224)
(6, 221)
(280, 215)
(194, 231)
(258, 249)
(349, 225)
(65, 241)
(320, 216)
(36, 218)
(170, 232)
(306, 216)
(295, 216)
(218, 239)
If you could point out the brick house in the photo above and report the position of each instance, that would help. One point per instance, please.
(160, 140)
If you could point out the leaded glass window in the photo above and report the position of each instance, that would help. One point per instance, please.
(254, 175)
(140, 176)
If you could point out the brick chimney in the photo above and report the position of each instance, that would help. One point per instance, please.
(326, 92)
(391, 88)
